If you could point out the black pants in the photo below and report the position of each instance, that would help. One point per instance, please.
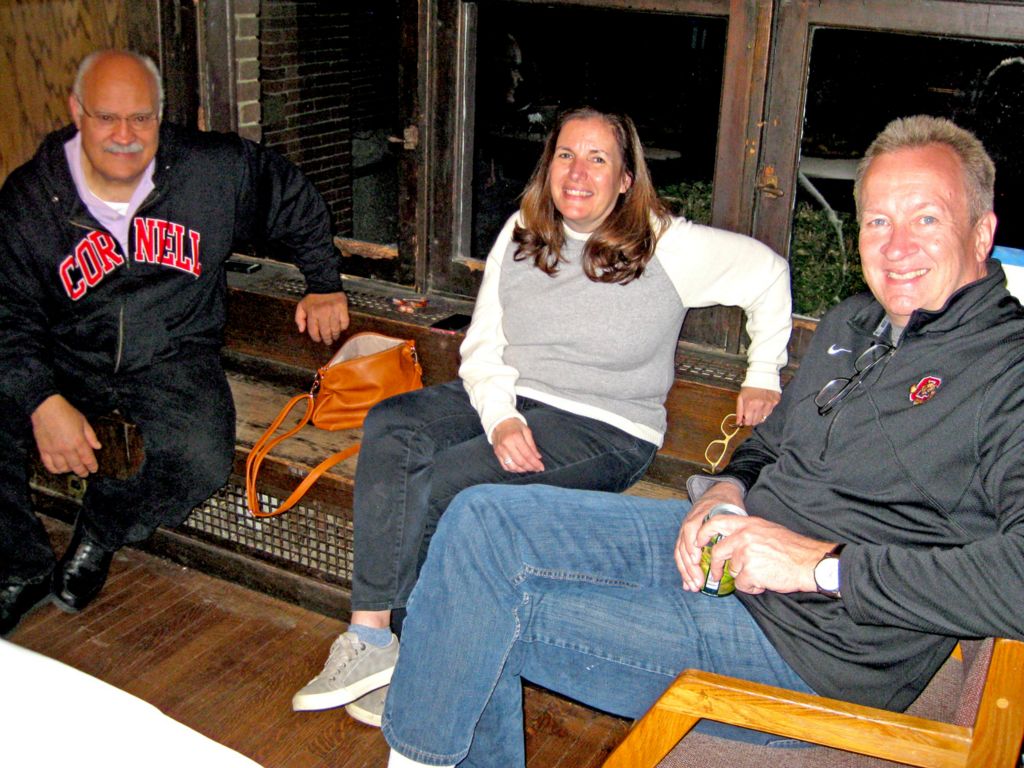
(183, 410)
(421, 448)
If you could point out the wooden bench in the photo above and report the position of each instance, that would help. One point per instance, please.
(305, 555)
(120, 456)
(314, 538)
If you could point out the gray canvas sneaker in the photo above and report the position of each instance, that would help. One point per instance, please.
(353, 669)
(369, 709)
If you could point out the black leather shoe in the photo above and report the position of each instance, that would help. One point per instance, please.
(17, 600)
(81, 573)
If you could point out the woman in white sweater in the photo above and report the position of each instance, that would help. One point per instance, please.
(565, 370)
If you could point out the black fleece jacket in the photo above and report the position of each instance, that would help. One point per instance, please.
(928, 497)
(68, 294)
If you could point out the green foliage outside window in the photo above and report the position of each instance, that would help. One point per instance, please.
(823, 273)
(689, 199)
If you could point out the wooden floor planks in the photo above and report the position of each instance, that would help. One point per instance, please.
(225, 661)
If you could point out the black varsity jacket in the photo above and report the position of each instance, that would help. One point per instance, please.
(68, 293)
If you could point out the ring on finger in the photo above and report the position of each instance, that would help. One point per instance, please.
(508, 461)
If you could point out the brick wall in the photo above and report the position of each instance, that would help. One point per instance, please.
(305, 76)
(247, 68)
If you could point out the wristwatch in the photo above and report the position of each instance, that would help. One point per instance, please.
(826, 573)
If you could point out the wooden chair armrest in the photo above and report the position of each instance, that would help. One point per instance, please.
(999, 727)
(697, 695)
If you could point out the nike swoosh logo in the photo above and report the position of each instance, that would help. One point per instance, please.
(834, 350)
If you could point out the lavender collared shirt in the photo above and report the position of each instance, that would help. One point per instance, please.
(115, 222)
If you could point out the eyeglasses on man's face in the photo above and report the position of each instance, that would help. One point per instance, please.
(714, 454)
(140, 121)
(837, 390)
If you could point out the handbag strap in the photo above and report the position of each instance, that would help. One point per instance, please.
(265, 444)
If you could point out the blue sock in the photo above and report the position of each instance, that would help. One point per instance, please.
(371, 635)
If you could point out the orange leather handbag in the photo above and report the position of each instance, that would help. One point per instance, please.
(368, 368)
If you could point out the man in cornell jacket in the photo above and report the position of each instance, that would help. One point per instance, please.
(113, 240)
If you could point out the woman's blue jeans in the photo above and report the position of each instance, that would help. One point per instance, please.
(421, 448)
(576, 591)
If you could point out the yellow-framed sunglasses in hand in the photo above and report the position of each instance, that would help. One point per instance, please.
(714, 454)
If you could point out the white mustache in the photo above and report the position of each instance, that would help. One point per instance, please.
(124, 149)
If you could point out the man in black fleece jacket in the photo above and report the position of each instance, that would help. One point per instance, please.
(884, 499)
(113, 240)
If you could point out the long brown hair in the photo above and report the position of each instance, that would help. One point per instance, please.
(620, 248)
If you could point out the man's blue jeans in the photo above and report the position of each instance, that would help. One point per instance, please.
(574, 590)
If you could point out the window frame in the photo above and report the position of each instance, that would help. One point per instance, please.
(450, 132)
(785, 106)
(760, 121)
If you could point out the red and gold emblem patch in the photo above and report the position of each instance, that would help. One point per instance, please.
(925, 389)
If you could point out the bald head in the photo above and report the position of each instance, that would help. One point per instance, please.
(118, 64)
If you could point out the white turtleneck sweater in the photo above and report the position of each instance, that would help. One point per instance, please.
(605, 350)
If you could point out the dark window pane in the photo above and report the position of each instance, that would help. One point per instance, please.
(533, 62)
(858, 82)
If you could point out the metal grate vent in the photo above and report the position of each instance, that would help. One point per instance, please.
(700, 367)
(373, 303)
(317, 540)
